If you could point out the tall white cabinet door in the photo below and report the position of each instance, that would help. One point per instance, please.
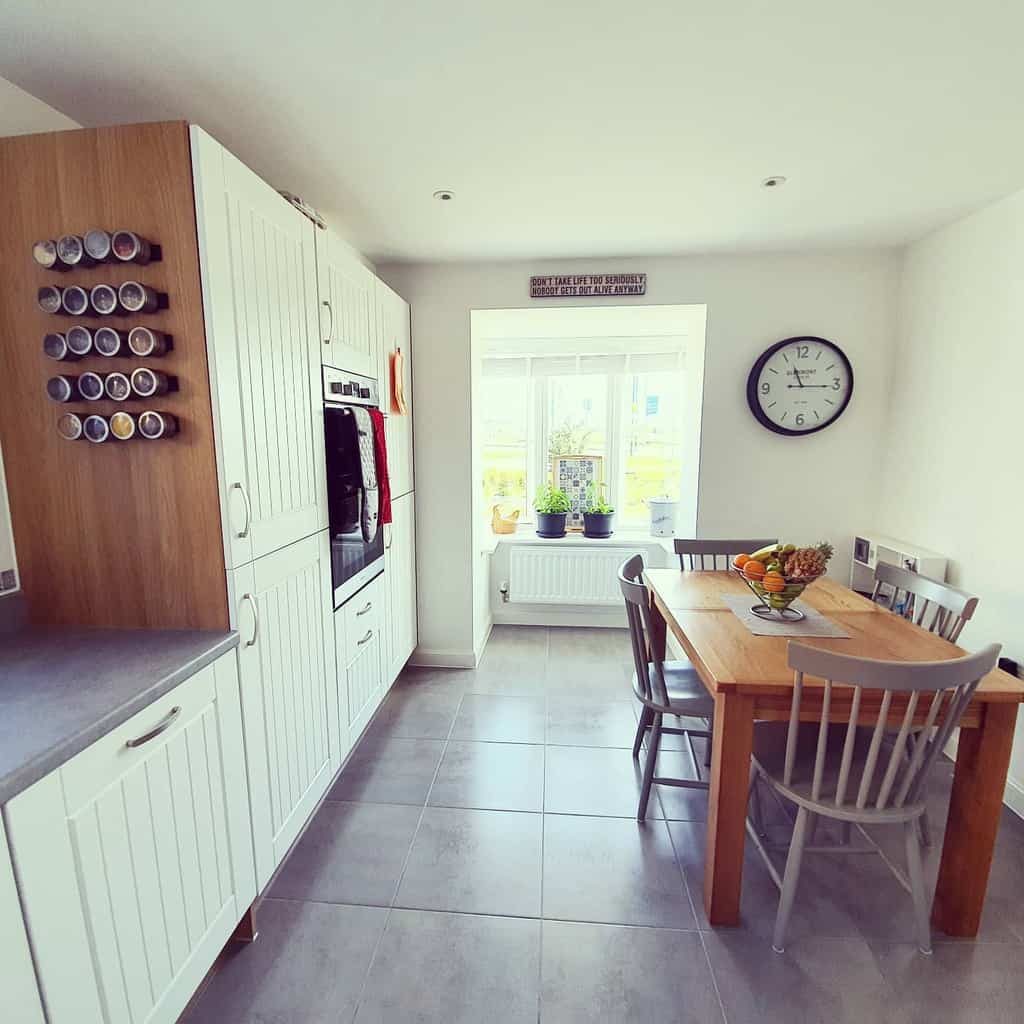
(135, 862)
(400, 575)
(394, 332)
(258, 266)
(348, 333)
(289, 699)
(19, 994)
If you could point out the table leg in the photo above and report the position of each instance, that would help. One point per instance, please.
(659, 631)
(975, 807)
(727, 807)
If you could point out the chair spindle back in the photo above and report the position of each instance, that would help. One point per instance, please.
(713, 555)
(638, 612)
(936, 695)
(928, 603)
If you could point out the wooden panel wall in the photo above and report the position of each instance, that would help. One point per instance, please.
(123, 533)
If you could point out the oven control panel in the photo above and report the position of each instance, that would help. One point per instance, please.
(349, 388)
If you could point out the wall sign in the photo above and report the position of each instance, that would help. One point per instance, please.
(572, 286)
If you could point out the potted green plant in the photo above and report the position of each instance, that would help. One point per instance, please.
(598, 515)
(552, 506)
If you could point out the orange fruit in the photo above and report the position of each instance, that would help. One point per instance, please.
(773, 583)
(740, 560)
(753, 569)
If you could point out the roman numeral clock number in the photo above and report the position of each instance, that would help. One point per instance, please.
(800, 385)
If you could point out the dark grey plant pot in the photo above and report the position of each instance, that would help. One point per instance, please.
(598, 524)
(551, 524)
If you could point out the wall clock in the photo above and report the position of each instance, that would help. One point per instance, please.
(800, 385)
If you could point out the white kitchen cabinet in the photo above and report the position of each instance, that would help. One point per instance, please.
(288, 683)
(20, 1002)
(258, 268)
(400, 583)
(347, 326)
(134, 859)
(394, 335)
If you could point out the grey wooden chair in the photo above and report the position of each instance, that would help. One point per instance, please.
(662, 687)
(929, 603)
(840, 771)
(710, 555)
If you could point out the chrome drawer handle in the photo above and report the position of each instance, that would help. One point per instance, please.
(255, 619)
(165, 723)
(369, 605)
(248, 511)
(369, 633)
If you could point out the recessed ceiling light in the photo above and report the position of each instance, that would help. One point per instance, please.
(775, 181)
(444, 195)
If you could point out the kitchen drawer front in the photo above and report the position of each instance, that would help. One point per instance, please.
(110, 757)
(363, 686)
(363, 617)
(130, 890)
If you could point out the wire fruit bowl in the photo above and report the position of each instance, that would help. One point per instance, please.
(776, 604)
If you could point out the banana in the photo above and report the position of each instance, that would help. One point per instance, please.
(762, 553)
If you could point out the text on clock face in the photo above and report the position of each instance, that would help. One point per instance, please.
(802, 384)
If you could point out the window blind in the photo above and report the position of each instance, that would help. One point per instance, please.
(570, 365)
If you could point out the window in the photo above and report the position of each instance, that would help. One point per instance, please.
(533, 410)
(504, 423)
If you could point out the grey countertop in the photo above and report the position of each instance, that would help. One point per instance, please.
(62, 689)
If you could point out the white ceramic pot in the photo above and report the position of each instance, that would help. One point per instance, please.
(663, 516)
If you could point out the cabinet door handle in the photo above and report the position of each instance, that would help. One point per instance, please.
(330, 329)
(389, 533)
(165, 723)
(255, 619)
(366, 639)
(369, 605)
(244, 532)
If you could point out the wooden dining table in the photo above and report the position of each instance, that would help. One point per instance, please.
(750, 680)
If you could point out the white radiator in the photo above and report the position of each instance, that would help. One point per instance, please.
(543, 574)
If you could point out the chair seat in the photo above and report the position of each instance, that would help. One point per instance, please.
(686, 693)
(769, 755)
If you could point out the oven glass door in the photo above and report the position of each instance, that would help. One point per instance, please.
(354, 559)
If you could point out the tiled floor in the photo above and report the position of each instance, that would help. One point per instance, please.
(478, 861)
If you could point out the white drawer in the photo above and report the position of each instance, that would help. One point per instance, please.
(362, 617)
(110, 757)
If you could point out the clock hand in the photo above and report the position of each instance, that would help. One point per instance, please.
(799, 379)
(807, 385)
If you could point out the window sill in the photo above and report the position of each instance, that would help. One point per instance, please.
(620, 538)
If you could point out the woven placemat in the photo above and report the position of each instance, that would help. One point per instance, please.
(813, 623)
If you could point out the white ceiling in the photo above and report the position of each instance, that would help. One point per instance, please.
(567, 128)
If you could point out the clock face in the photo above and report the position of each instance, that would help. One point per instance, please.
(800, 385)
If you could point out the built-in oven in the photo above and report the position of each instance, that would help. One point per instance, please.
(357, 538)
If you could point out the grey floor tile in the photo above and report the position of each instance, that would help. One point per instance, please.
(351, 853)
(421, 712)
(958, 984)
(831, 981)
(389, 771)
(595, 972)
(437, 680)
(595, 781)
(820, 909)
(573, 721)
(681, 803)
(453, 969)
(597, 680)
(494, 776)
(513, 648)
(615, 870)
(500, 719)
(477, 862)
(527, 680)
(585, 645)
(308, 965)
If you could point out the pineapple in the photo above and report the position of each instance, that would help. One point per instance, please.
(807, 563)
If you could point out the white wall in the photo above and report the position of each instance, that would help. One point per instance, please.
(951, 474)
(21, 114)
(751, 481)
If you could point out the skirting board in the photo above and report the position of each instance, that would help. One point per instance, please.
(425, 658)
(1014, 798)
